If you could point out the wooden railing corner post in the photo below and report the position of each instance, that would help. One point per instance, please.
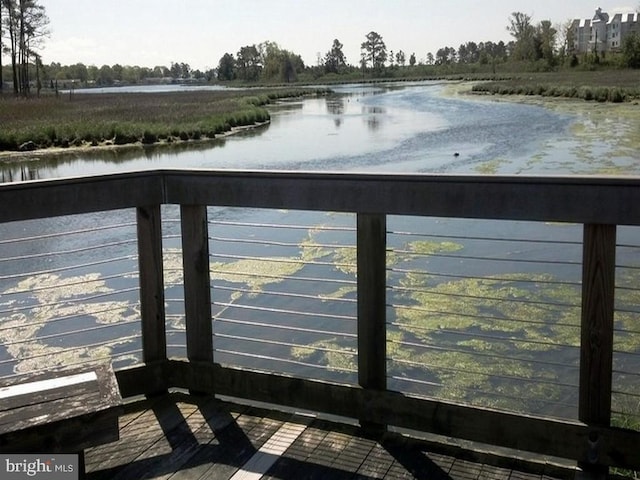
(372, 319)
(596, 339)
(151, 279)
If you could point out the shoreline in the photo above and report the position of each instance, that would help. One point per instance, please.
(86, 147)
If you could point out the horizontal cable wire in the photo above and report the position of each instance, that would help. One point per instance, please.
(289, 277)
(492, 278)
(476, 391)
(284, 344)
(283, 226)
(431, 291)
(73, 332)
(280, 260)
(416, 380)
(486, 355)
(64, 284)
(284, 360)
(69, 252)
(68, 233)
(285, 327)
(628, 289)
(175, 331)
(70, 267)
(628, 267)
(626, 310)
(49, 321)
(418, 308)
(632, 395)
(488, 337)
(285, 311)
(484, 239)
(109, 343)
(72, 301)
(273, 243)
(488, 259)
(285, 294)
(534, 380)
(626, 373)
(83, 361)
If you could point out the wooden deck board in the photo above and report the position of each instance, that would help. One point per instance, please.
(192, 437)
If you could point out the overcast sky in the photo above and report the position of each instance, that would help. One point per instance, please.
(198, 32)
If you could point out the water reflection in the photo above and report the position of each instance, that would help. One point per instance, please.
(336, 107)
(20, 172)
(373, 117)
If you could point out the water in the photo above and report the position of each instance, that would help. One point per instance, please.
(407, 129)
(401, 129)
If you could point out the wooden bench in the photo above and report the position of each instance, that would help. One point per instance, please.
(64, 411)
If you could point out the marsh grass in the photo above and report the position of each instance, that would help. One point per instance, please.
(603, 86)
(127, 118)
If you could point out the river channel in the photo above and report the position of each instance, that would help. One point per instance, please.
(364, 128)
(455, 330)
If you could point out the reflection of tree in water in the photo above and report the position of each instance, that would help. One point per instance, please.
(372, 116)
(335, 106)
(18, 173)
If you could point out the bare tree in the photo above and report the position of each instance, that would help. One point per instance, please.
(26, 23)
(523, 31)
(566, 39)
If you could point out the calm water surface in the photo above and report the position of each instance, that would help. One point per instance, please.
(362, 128)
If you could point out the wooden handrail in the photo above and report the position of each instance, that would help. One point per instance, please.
(596, 200)
(599, 203)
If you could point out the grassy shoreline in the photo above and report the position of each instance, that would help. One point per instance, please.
(50, 124)
(615, 86)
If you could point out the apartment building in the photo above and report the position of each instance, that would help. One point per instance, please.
(603, 33)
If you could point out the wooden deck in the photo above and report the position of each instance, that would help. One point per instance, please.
(187, 437)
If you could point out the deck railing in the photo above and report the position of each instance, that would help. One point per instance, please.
(599, 204)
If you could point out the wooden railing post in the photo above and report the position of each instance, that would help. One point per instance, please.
(197, 283)
(372, 327)
(596, 343)
(152, 309)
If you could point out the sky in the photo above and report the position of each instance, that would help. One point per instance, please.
(198, 32)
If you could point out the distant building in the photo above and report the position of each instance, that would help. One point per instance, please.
(603, 33)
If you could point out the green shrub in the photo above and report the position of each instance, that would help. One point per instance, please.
(586, 93)
(8, 142)
(51, 133)
(616, 95)
(124, 138)
(149, 138)
(601, 94)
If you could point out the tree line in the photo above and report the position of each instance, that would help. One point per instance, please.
(533, 46)
(108, 75)
(541, 46)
